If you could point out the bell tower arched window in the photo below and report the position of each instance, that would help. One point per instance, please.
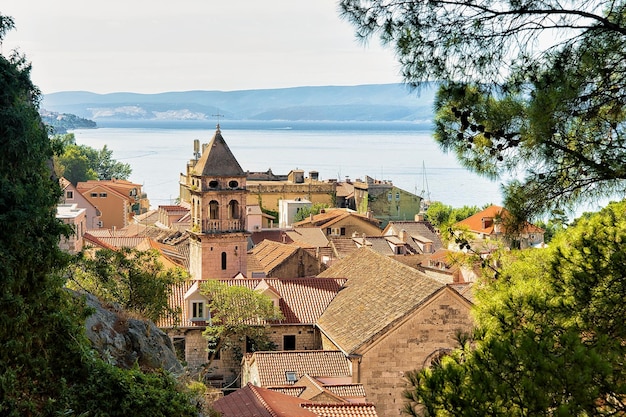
(214, 210)
(233, 209)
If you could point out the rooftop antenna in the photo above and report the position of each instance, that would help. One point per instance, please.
(196, 148)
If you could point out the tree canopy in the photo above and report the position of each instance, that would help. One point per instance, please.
(237, 313)
(532, 92)
(82, 163)
(47, 365)
(134, 279)
(549, 336)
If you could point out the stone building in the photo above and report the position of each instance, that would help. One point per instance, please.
(117, 201)
(301, 300)
(215, 188)
(385, 201)
(268, 190)
(335, 222)
(279, 260)
(490, 224)
(389, 319)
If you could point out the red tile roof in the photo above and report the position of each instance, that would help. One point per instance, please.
(252, 401)
(477, 224)
(342, 410)
(303, 300)
(316, 363)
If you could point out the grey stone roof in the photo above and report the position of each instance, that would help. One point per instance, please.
(217, 160)
(379, 292)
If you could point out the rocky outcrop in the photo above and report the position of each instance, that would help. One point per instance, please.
(123, 340)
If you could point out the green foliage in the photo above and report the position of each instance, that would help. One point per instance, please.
(531, 92)
(110, 391)
(443, 216)
(134, 279)
(237, 314)
(46, 364)
(549, 333)
(555, 224)
(82, 163)
(305, 212)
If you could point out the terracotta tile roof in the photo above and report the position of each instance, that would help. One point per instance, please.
(342, 410)
(292, 390)
(379, 292)
(122, 241)
(91, 240)
(344, 189)
(270, 255)
(347, 390)
(343, 247)
(252, 401)
(272, 366)
(303, 300)
(415, 229)
(275, 235)
(86, 187)
(332, 216)
(412, 260)
(378, 244)
(308, 237)
(477, 224)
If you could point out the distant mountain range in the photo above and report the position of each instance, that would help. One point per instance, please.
(378, 102)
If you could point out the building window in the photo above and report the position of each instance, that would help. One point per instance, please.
(389, 196)
(214, 207)
(103, 195)
(342, 231)
(198, 310)
(289, 342)
(328, 231)
(94, 195)
(233, 184)
(179, 348)
(397, 196)
(233, 209)
(291, 377)
(69, 195)
(213, 184)
(223, 261)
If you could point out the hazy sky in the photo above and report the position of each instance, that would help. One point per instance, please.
(153, 46)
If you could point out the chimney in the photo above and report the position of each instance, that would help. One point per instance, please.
(403, 235)
(419, 217)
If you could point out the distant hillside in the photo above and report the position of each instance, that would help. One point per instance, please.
(61, 122)
(380, 102)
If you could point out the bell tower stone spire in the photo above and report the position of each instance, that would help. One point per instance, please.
(215, 187)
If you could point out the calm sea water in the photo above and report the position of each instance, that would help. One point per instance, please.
(403, 153)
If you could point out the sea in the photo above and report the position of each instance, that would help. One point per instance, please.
(401, 152)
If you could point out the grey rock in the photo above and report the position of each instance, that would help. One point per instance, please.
(123, 340)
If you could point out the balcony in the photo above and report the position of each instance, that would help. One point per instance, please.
(222, 226)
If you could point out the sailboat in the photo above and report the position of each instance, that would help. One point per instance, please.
(425, 194)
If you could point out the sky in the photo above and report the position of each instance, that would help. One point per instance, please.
(152, 46)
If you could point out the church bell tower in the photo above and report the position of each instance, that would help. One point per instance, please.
(215, 187)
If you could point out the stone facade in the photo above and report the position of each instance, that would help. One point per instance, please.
(385, 201)
(431, 329)
(217, 255)
(268, 194)
(191, 348)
